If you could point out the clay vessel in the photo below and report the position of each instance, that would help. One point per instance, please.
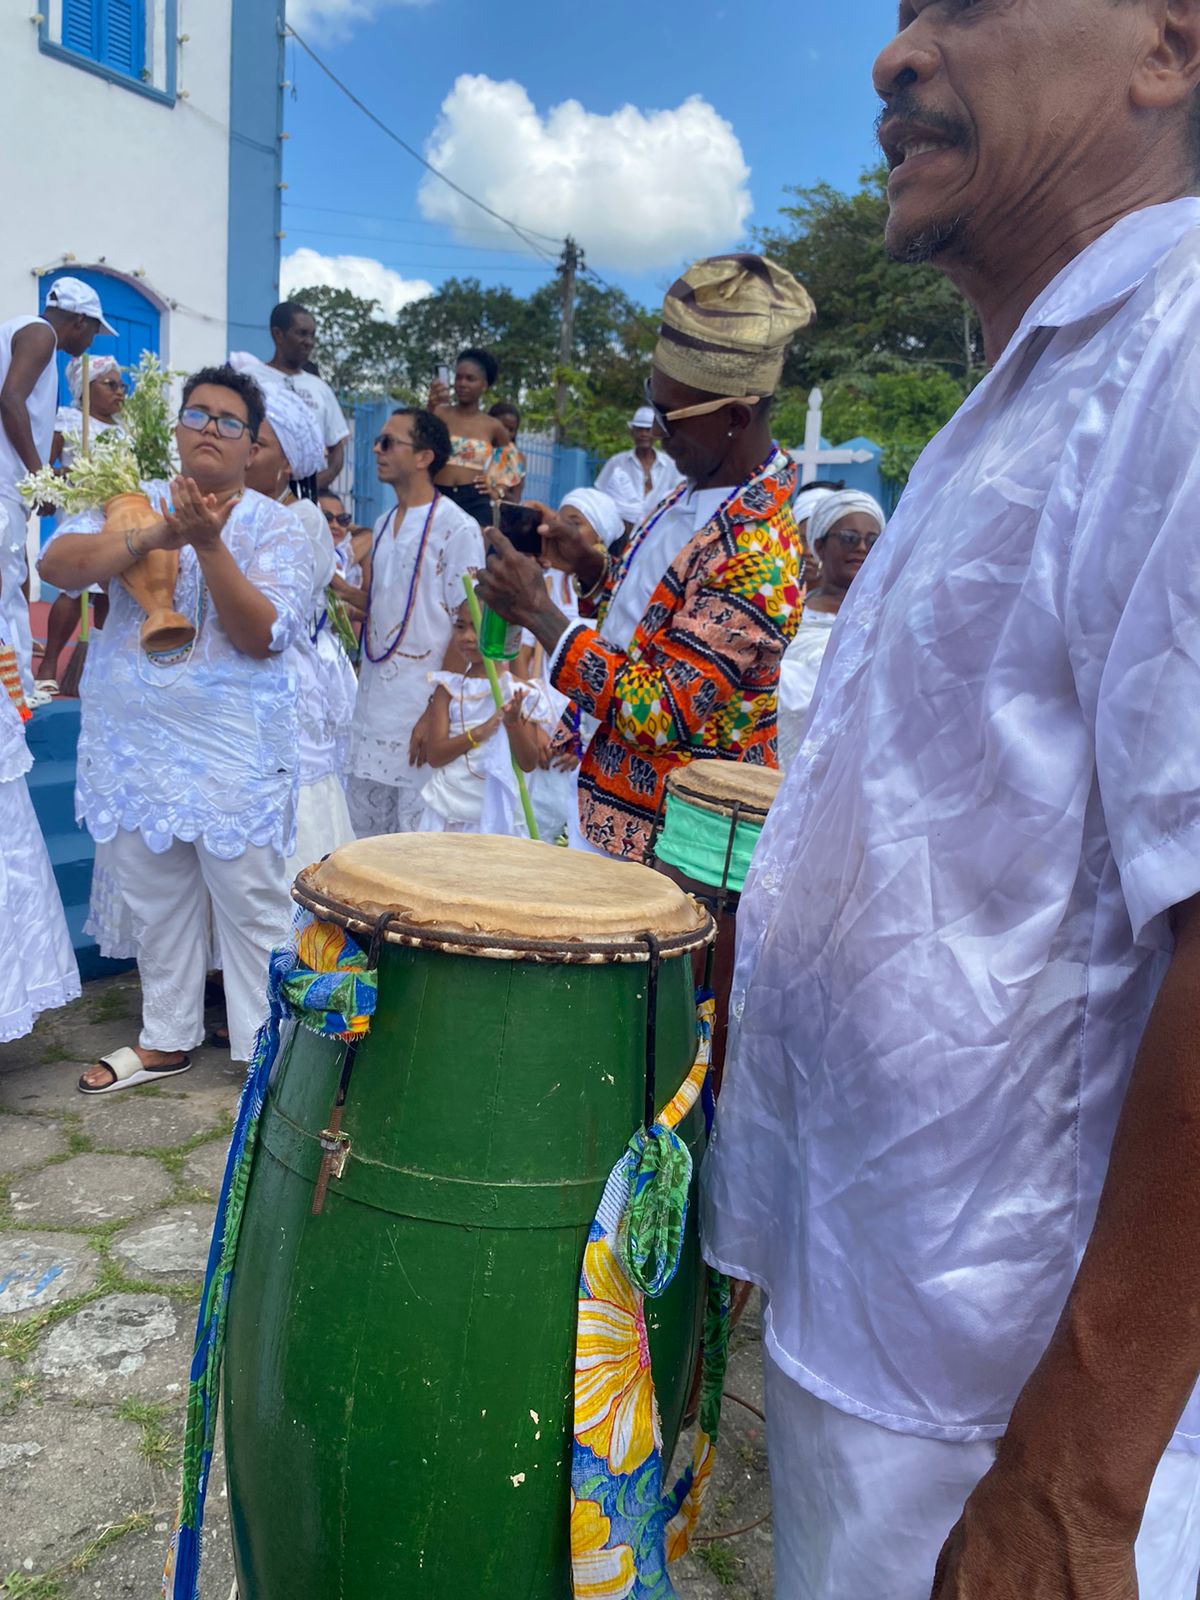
(151, 581)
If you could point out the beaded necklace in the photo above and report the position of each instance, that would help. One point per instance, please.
(398, 636)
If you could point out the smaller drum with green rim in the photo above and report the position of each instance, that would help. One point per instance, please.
(715, 813)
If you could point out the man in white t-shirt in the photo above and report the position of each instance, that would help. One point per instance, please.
(959, 1134)
(413, 576)
(639, 479)
(294, 335)
(72, 318)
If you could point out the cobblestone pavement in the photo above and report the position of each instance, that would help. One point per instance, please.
(105, 1210)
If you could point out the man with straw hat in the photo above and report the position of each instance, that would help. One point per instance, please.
(676, 654)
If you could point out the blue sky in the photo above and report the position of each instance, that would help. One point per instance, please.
(783, 91)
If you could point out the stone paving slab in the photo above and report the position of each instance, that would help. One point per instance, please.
(129, 1121)
(82, 1474)
(43, 1086)
(172, 1244)
(37, 1270)
(28, 1141)
(205, 1167)
(119, 1347)
(89, 1189)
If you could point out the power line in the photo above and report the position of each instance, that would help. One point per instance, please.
(301, 229)
(389, 216)
(417, 156)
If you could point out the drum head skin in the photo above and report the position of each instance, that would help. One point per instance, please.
(502, 897)
(720, 785)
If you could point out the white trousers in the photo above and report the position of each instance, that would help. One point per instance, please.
(14, 568)
(37, 963)
(378, 808)
(861, 1513)
(322, 823)
(168, 896)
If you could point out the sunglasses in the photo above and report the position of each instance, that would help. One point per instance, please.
(385, 441)
(197, 419)
(664, 419)
(851, 541)
(342, 518)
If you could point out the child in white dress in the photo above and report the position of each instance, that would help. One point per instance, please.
(461, 743)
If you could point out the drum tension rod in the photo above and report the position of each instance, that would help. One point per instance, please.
(335, 1145)
(651, 1107)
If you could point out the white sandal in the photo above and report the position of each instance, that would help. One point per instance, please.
(128, 1070)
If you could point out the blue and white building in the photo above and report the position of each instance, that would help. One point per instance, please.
(149, 163)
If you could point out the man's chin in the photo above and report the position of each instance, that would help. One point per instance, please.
(912, 240)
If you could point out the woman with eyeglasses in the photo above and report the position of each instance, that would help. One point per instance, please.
(842, 528)
(341, 526)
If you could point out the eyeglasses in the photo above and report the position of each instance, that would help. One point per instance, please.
(385, 441)
(706, 408)
(197, 419)
(342, 518)
(851, 541)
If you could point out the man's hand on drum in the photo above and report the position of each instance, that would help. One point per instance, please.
(514, 587)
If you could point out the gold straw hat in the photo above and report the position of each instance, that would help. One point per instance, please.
(727, 324)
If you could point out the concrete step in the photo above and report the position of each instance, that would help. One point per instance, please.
(53, 731)
(52, 790)
(91, 963)
(71, 857)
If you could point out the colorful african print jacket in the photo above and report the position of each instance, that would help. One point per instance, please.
(699, 680)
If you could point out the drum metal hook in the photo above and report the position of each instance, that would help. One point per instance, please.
(335, 1145)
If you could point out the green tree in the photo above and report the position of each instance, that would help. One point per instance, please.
(358, 350)
(873, 314)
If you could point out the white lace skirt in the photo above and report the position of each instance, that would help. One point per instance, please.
(37, 963)
(322, 822)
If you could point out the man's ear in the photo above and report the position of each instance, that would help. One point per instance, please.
(1168, 74)
(254, 449)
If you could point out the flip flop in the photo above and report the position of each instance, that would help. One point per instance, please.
(128, 1070)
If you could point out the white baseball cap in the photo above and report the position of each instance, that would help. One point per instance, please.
(643, 417)
(72, 294)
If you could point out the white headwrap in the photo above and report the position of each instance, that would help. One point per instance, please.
(841, 503)
(807, 501)
(97, 367)
(601, 510)
(297, 430)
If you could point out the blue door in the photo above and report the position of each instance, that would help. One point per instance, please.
(136, 319)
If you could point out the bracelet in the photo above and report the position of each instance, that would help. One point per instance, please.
(590, 594)
(472, 741)
(130, 546)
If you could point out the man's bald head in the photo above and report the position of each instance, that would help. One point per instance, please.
(1006, 118)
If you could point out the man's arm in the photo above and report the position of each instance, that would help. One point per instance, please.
(335, 457)
(74, 561)
(1057, 1516)
(32, 349)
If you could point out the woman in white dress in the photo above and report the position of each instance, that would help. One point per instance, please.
(37, 964)
(842, 528)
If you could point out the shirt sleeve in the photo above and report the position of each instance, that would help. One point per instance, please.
(734, 621)
(463, 553)
(1132, 613)
(333, 420)
(281, 568)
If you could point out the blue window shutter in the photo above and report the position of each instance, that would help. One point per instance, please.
(123, 36)
(79, 27)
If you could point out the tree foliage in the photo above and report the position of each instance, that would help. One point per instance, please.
(894, 348)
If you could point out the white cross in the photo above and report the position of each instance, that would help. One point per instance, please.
(813, 456)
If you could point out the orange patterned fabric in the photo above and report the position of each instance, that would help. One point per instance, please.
(699, 680)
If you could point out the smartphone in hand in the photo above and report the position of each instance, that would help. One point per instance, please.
(519, 525)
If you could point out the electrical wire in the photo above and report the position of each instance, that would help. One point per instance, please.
(300, 229)
(523, 234)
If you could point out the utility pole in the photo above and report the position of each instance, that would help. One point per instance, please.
(568, 268)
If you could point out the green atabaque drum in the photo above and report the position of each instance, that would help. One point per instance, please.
(399, 1368)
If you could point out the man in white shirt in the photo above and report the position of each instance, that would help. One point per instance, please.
(969, 952)
(420, 552)
(639, 479)
(72, 318)
(188, 763)
(294, 335)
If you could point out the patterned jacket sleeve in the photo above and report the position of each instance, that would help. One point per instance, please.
(729, 628)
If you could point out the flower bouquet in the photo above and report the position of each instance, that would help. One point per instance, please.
(110, 475)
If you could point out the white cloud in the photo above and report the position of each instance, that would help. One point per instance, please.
(362, 275)
(337, 19)
(638, 189)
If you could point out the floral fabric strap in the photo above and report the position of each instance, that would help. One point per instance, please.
(321, 979)
(625, 1530)
(10, 681)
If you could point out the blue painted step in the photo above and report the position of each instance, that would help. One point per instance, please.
(53, 735)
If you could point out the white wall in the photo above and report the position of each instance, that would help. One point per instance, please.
(95, 171)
